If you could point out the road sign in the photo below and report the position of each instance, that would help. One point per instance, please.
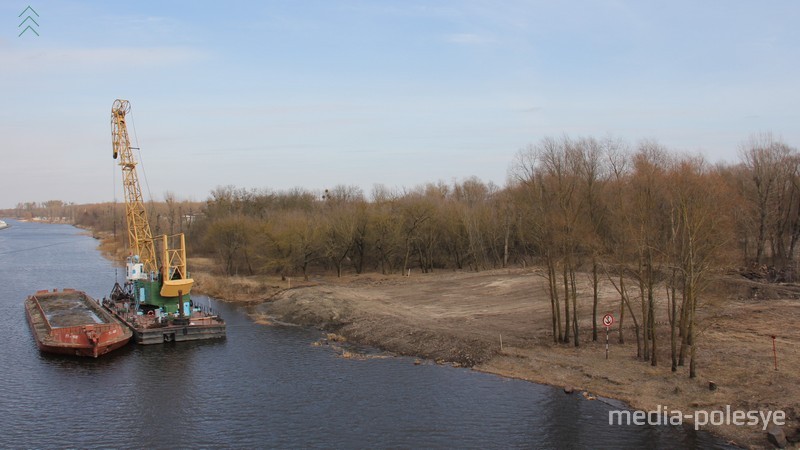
(608, 320)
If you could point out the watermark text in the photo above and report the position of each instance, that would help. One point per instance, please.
(664, 416)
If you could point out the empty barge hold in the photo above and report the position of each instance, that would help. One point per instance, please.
(152, 324)
(72, 323)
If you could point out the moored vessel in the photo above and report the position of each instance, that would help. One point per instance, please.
(155, 301)
(152, 324)
(70, 322)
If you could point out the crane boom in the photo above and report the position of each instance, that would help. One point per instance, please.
(159, 278)
(140, 238)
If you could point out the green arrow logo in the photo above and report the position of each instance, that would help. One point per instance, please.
(26, 19)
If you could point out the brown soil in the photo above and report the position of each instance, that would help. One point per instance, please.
(462, 317)
(68, 310)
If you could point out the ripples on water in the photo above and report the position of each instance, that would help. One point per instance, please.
(261, 387)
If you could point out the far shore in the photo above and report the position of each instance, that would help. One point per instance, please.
(462, 317)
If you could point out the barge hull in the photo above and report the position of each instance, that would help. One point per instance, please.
(72, 323)
(149, 330)
(178, 334)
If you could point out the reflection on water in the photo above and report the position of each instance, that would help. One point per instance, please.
(260, 387)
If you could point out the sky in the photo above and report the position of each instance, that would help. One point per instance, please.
(281, 94)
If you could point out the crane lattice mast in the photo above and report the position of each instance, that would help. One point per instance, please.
(140, 238)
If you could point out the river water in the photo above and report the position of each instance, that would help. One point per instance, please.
(263, 386)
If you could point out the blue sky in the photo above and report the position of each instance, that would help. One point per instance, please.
(278, 94)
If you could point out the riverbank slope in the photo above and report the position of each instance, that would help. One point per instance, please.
(462, 317)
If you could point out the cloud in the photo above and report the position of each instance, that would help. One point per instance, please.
(469, 39)
(82, 59)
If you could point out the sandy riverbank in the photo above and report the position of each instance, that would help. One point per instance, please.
(460, 317)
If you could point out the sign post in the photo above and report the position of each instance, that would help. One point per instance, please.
(774, 352)
(608, 320)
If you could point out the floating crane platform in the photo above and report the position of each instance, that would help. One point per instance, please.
(155, 302)
(152, 325)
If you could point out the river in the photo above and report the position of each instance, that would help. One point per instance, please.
(263, 386)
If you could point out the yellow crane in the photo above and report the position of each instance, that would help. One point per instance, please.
(156, 269)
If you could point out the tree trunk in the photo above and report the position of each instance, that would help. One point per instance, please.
(621, 309)
(554, 287)
(692, 363)
(651, 316)
(692, 297)
(673, 324)
(762, 226)
(554, 306)
(635, 327)
(505, 247)
(643, 299)
(684, 323)
(574, 294)
(247, 261)
(408, 254)
(566, 304)
(594, 299)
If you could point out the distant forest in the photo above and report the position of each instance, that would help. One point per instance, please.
(580, 200)
(599, 206)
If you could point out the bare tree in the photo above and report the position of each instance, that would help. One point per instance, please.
(702, 228)
(649, 217)
(766, 160)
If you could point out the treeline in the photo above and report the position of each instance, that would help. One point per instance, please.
(465, 225)
(587, 199)
(167, 217)
(48, 211)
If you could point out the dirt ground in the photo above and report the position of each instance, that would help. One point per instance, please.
(462, 317)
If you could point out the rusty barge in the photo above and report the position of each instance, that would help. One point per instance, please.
(70, 322)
